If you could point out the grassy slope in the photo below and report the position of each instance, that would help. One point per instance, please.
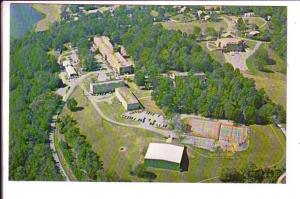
(273, 83)
(51, 12)
(189, 26)
(106, 139)
(215, 54)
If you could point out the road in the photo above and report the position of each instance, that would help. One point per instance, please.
(166, 133)
(65, 96)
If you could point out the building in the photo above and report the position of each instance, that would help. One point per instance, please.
(128, 100)
(206, 17)
(115, 59)
(231, 44)
(174, 75)
(253, 33)
(71, 72)
(166, 156)
(106, 86)
(249, 14)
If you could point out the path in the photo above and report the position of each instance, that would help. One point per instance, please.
(238, 59)
(65, 96)
(166, 133)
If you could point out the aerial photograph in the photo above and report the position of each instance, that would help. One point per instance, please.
(147, 93)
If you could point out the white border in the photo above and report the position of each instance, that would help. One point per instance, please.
(59, 190)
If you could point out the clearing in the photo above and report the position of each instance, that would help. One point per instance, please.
(267, 148)
(51, 12)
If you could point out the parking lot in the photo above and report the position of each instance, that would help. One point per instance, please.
(146, 118)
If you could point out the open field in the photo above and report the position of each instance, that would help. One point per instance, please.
(274, 83)
(51, 12)
(267, 147)
(189, 26)
(259, 21)
(215, 54)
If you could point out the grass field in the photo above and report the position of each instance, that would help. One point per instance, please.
(215, 54)
(51, 12)
(114, 110)
(259, 21)
(189, 26)
(274, 83)
(267, 147)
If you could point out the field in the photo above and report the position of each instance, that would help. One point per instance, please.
(189, 26)
(51, 12)
(274, 83)
(267, 148)
(215, 54)
(259, 21)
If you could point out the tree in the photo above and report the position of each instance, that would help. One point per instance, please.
(241, 26)
(139, 77)
(72, 104)
(197, 31)
(230, 175)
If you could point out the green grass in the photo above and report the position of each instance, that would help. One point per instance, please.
(273, 83)
(215, 54)
(259, 21)
(106, 139)
(114, 110)
(189, 26)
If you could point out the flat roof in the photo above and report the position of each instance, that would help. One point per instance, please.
(127, 95)
(167, 152)
(107, 82)
(70, 70)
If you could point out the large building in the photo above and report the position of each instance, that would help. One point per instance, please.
(231, 44)
(166, 156)
(115, 59)
(128, 100)
(71, 72)
(106, 86)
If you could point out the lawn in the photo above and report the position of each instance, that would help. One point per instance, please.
(215, 54)
(189, 26)
(274, 83)
(259, 21)
(114, 110)
(51, 12)
(267, 147)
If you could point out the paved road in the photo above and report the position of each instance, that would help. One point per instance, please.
(66, 96)
(166, 133)
(52, 146)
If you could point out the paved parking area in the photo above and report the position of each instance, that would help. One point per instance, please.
(147, 118)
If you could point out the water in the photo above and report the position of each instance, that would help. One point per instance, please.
(23, 19)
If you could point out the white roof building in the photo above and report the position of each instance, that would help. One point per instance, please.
(70, 71)
(167, 152)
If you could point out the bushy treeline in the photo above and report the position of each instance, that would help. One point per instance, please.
(85, 163)
(251, 174)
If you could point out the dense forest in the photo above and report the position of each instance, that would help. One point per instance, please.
(85, 163)
(33, 79)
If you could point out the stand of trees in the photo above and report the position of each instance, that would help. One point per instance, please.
(251, 174)
(32, 103)
(85, 163)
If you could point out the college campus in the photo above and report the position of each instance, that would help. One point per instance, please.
(155, 94)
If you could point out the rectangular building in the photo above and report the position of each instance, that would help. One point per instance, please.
(105, 87)
(165, 156)
(128, 100)
(71, 72)
(115, 59)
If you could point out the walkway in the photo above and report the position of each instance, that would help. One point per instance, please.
(166, 133)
